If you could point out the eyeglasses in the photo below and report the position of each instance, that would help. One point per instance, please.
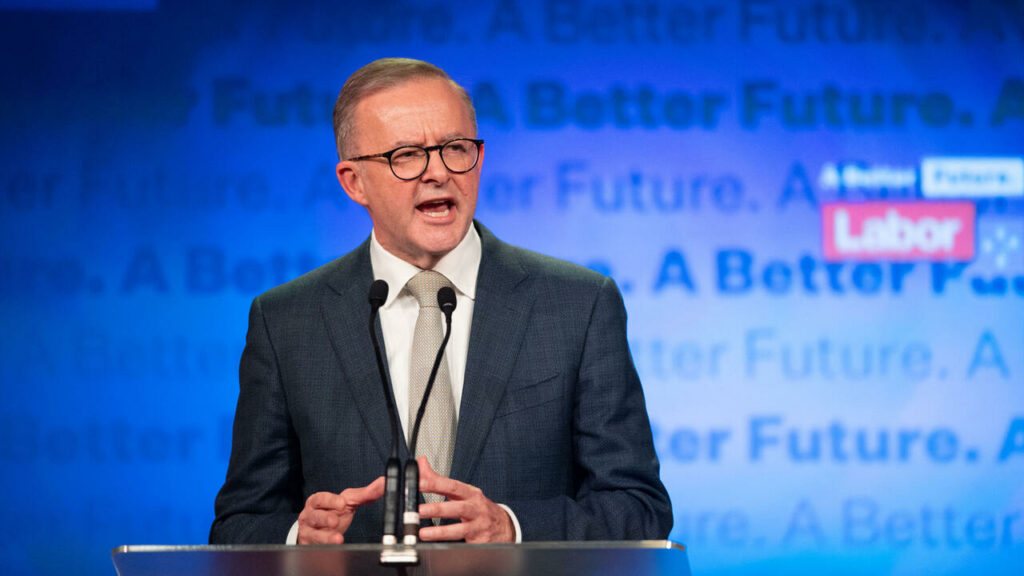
(410, 162)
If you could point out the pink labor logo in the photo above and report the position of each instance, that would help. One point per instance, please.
(898, 231)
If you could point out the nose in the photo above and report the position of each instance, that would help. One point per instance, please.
(436, 170)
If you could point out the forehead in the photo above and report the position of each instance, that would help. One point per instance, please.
(416, 111)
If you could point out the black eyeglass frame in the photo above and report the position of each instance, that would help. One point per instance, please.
(426, 150)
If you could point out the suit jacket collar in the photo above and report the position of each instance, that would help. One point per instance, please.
(346, 311)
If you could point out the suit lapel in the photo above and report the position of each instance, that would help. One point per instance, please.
(500, 316)
(346, 312)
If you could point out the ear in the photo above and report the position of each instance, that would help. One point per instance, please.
(350, 178)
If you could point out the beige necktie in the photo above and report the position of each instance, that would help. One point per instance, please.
(437, 431)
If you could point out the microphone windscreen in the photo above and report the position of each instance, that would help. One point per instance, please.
(378, 293)
(446, 299)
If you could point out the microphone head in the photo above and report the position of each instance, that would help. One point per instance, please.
(446, 299)
(378, 293)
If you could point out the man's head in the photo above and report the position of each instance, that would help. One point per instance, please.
(395, 102)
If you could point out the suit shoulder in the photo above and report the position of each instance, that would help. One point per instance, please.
(305, 289)
(556, 271)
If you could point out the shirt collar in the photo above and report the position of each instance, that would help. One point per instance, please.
(461, 266)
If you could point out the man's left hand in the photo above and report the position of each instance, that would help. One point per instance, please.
(481, 519)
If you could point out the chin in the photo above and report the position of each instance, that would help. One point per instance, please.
(439, 249)
(444, 240)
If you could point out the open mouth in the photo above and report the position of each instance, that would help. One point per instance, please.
(436, 208)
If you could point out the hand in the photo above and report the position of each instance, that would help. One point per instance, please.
(481, 519)
(327, 516)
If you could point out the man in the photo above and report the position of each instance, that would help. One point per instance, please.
(543, 433)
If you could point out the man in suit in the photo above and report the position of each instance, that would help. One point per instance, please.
(548, 437)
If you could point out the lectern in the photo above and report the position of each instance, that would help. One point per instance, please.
(644, 558)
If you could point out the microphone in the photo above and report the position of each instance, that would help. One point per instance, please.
(411, 519)
(446, 300)
(392, 477)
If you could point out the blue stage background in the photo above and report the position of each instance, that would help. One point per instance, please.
(165, 162)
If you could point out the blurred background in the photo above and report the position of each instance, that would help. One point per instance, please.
(164, 162)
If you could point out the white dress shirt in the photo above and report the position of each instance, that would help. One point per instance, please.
(399, 312)
(398, 323)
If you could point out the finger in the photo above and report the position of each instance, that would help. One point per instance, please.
(323, 501)
(443, 533)
(319, 519)
(355, 497)
(456, 509)
(449, 488)
(349, 499)
(434, 483)
(425, 470)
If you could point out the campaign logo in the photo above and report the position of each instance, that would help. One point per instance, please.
(863, 176)
(895, 231)
(964, 177)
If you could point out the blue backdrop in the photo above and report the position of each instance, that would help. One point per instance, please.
(165, 162)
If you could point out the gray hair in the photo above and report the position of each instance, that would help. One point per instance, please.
(375, 77)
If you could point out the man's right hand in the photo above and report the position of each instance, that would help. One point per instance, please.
(327, 516)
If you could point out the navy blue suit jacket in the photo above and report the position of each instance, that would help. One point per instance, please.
(552, 421)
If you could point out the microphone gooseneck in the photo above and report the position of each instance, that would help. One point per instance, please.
(411, 518)
(392, 477)
(445, 301)
(378, 295)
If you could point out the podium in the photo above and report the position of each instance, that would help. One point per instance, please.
(640, 558)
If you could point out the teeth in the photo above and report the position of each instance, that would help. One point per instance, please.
(437, 211)
(438, 214)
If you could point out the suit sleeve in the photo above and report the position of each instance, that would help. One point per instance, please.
(618, 492)
(262, 494)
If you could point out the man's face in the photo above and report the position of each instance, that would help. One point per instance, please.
(417, 220)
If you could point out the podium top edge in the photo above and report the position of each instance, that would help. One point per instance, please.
(584, 545)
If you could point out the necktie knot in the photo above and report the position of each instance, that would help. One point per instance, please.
(424, 287)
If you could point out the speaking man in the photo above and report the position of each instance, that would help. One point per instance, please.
(536, 426)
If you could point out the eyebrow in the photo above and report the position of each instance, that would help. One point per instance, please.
(446, 138)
